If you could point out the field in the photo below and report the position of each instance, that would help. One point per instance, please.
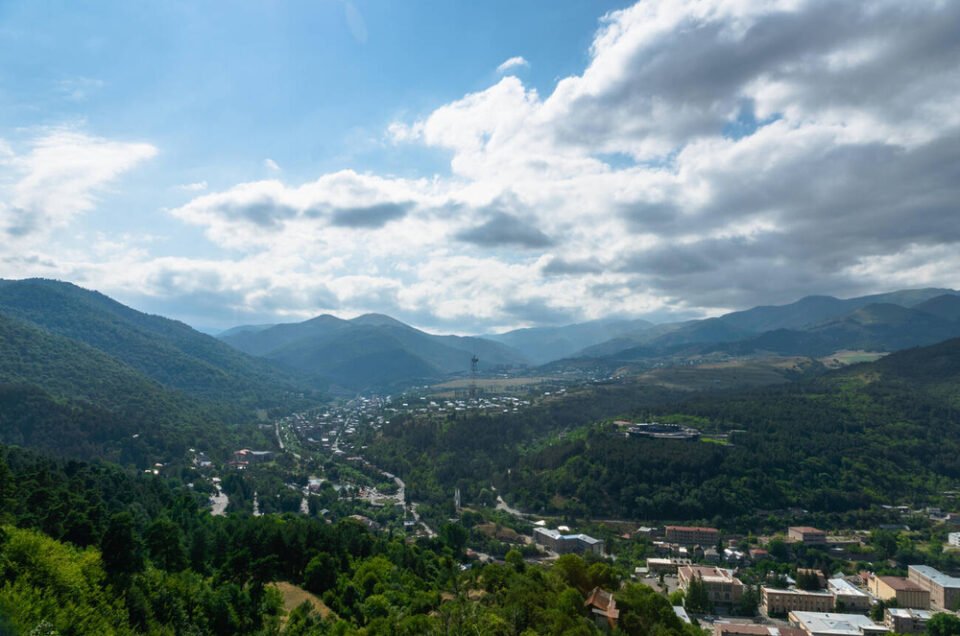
(728, 374)
(294, 597)
(845, 357)
(495, 385)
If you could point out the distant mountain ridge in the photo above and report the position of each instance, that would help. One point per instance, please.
(812, 326)
(370, 351)
(545, 344)
(374, 350)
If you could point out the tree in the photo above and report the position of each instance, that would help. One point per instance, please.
(515, 559)
(749, 600)
(165, 542)
(697, 597)
(884, 542)
(121, 546)
(320, 574)
(807, 580)
(943, 624)
(779, 550)
(454, 536)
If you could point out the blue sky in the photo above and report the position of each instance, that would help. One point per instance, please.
(220, 88)
(269, 161)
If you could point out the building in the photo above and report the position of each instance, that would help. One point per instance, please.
(692, 535)
(953, 539)
(807, 535)
(742, 629)
(774, 602)
(603, 608)
(722, 587)
(567, 543)
(666, 566)
(848, 598)
(944, 590)
(245, 455)
(906, 621)
(906, 592)
(829, 624)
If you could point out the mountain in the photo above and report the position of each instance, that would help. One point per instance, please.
(812, 326)
(242, 329)
(946, 306)
(813, 310)
(370, 351)
(166, 351)
(66, 397)
(543, 344)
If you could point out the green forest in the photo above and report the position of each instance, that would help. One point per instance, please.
(86, 548)
(874, 434)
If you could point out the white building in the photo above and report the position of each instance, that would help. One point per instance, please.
(954, 539)
(830, 624)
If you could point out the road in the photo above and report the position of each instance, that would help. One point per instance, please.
(219, 503)
(502, 505)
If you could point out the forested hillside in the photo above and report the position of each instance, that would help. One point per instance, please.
(369, 352)
(87, 549)
(166, 351)
(86, 377)
(879, 433)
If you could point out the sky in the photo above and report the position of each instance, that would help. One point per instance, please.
(473, 167)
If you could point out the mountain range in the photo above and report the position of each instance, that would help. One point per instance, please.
(813, 326)
(369, 351)
(84, 374)
(376, 351)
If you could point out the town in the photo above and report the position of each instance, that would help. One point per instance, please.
(802, 581)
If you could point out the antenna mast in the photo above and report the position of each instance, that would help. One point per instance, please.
(474, 361)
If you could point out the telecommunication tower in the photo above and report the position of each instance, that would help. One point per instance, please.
(474, 361)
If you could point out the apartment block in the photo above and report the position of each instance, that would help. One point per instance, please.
(907, 593)
(944, 590)
(807, 535)
(692, 535)
(774, 602)
(722, 587)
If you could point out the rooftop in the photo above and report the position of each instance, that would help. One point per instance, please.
(842, 586)
(794, 590)
(720, 629)
(710, 574)
(902, 612)
(936, 576)
(901, 584)
(838, 624)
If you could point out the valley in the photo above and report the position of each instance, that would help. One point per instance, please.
(505, 465)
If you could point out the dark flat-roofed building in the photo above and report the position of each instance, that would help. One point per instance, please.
(692, 535)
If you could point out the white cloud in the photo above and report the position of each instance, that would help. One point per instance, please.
(513, 63)
(198, 186)
(711, 155)
(59, 177)
(271, 165)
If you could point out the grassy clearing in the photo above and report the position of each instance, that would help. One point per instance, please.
(294, 596)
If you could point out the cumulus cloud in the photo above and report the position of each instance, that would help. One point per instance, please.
(502, 229)
(59, 177)
(711, 155)
(512, 64)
